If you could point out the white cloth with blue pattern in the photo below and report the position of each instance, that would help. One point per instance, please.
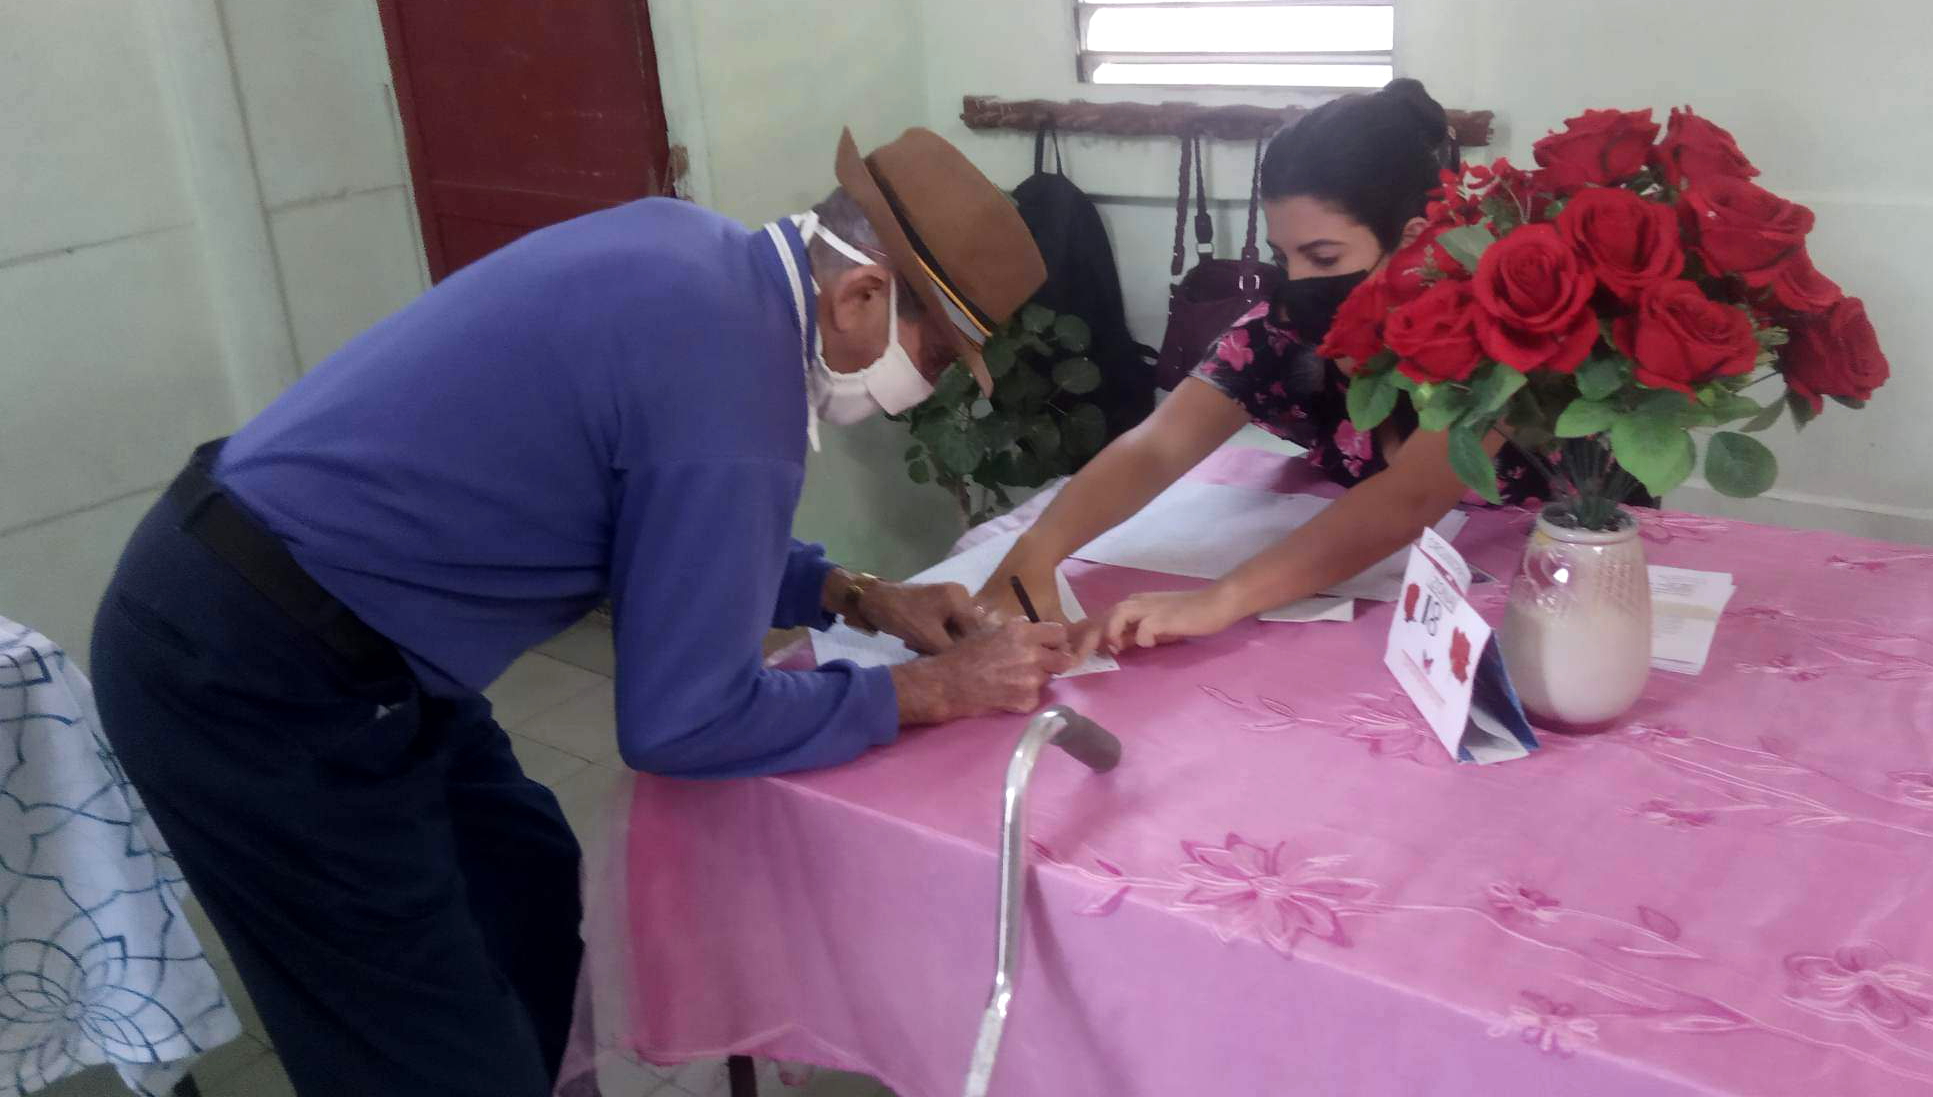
(97, 962)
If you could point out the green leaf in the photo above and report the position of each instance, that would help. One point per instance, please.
(1495, 386)
(1473, 466)
(1848, 402)
(1739, 465)
(1401, 380)
(1370, 399)
(1086, 430)
(919, 472)
(1043, 436)
(1036, 319)
(953, 385)
(1022, 392)
(1467, 244)
(1732, 406)
(1767, 417)
(915, 451)
(957, 452)
(1599, 378)
(1073, 334)
(1445, 408)
(1802, 412)
(1079, 376)
(1382, 362)
(1654, 449)
(1028, 471)
(997, 432)
(1000, 354)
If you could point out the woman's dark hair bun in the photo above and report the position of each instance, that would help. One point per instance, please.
(1377, 156)
(1432, 122)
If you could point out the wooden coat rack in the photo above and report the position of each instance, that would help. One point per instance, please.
(1240, 122)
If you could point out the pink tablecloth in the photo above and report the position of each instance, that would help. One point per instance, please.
(1288, 888)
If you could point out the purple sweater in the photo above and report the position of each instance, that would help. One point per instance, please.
(611, 406)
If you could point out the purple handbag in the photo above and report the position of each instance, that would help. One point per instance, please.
(1206, 300)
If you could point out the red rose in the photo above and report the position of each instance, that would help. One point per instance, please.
(1536, 298)
(1741, 228)
(1679, 337)
(1405, 271)
(1357, 331)
(1630, 242)
(1436, 334)
(1834, 353)
(1694, 148)
(1599, 146)
(1802, 288)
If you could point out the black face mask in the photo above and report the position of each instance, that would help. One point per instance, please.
(1309, 304)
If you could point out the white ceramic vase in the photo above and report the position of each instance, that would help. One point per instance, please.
(1577, 635)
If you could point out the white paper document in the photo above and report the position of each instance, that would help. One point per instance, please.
(1205, 531)
(971, 569)
(1685, 608)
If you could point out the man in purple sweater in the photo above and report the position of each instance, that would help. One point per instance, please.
(290, 657)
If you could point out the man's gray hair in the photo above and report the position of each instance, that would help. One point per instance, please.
(841, 216)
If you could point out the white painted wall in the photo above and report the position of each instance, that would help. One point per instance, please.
(1831, 101)
(757, 91)
(202, 197)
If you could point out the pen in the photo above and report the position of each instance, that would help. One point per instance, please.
(1026, 603)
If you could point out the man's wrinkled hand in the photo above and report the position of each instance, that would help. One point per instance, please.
(930, 618)
(1002, 669)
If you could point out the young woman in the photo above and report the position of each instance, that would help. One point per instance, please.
(1344, 190)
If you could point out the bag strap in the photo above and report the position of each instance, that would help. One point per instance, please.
(1041, 136)
(1204, 224)
(1181, 208)
(1254, 200)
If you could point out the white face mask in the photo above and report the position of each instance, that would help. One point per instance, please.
(891, 383)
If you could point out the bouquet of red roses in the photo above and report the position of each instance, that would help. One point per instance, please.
(1599, 309)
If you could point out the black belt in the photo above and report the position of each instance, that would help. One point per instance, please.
(260, 557)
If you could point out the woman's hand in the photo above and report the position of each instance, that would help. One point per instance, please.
(1160, 617)
(1042, 589)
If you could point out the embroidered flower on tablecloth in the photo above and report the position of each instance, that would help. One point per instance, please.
(1862, 983)
(1549, 1026)
(1913, 786)
(1234, 351)
(1512, 901)
(1669, 814)
(1250, 886)
(1784, 666)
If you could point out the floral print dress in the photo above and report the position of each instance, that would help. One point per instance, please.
(1296, 395)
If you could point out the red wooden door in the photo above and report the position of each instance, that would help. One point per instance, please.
(521, 113)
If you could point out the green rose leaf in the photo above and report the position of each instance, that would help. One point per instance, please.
(1802, 412)
(1371, 398)
(1036, 319)
(1739, 465)
(1079, 376)
(1467, 244)
(1382, 362)
(1654, 449)
(1767, 417)
(1445, 407)
(999, 354)
(919, 472)
(1495, 386)
(1731, 407)
(1073, 334)
(1849, 402)
(1086, 430)
(1599, 378)
(1473, 466)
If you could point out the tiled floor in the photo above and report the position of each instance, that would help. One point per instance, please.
(558, 705)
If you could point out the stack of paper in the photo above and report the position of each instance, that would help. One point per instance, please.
(1207, 530)
(1685, 607)
(971, 569)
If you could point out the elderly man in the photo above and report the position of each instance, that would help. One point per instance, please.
(290, 655)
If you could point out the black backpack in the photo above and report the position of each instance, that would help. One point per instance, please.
(1082, 281)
